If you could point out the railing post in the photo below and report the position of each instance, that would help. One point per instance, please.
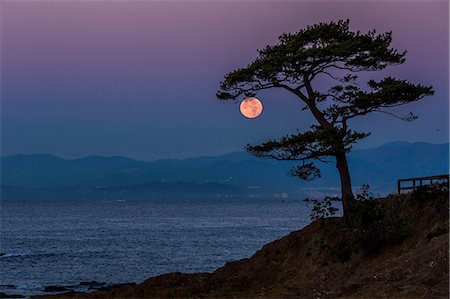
(416, 182)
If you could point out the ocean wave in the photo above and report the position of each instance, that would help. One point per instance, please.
(5, 255)
(30, 287)
(31, 254)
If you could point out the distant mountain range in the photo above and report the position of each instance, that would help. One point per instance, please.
(237, 174)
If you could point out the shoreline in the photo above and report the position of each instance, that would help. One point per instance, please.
(402, 254)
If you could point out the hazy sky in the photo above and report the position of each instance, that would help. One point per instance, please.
(138, 78)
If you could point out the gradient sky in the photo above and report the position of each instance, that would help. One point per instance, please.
(139, 78)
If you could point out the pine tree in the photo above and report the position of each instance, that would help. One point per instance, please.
(296, 63)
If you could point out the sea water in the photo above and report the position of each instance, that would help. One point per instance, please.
(118, 241)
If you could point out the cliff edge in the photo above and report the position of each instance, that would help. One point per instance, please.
(398, 246)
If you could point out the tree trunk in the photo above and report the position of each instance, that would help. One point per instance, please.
(346, 186)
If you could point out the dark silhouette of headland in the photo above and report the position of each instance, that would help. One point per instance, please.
(396, 247)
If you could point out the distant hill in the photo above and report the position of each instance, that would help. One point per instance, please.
(234, 174)
(381, 167)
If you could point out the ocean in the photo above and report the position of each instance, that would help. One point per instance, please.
(46, 243)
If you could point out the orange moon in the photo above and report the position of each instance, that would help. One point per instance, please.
(251, 107)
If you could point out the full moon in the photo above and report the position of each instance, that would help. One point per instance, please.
(251, 107)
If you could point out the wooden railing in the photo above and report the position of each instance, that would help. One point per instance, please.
(423, 181)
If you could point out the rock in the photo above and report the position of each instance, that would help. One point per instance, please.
(70, 293)
(55, 289)
(116, 286)
(3, 295)
(92, 284)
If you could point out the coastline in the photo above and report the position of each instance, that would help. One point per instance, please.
(317, 261)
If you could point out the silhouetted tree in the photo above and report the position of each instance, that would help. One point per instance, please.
(301, 59)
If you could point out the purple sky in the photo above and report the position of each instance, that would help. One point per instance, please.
(139, 78)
